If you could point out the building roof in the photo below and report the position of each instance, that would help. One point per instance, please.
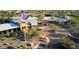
(56, 19)
(32, 20)
(12, 25)
(8, 26)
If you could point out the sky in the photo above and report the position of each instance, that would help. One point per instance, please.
(39, 4)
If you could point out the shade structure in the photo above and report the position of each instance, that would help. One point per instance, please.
(8, 26)
(13, 23)
(57, 19)
(32, 20)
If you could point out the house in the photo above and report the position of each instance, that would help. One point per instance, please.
(57, 19)
(13, 26)
(32, 20)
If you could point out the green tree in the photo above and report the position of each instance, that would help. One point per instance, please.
(34, 32)
(68, 42)
(75, 24)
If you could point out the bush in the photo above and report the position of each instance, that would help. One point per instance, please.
(69, 42)
(54, 27)
(76, 31)
(10, 47)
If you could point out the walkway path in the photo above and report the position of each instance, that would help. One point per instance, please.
(54, 35)
(69, 32)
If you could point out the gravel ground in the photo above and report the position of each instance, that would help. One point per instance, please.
(5, 42)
